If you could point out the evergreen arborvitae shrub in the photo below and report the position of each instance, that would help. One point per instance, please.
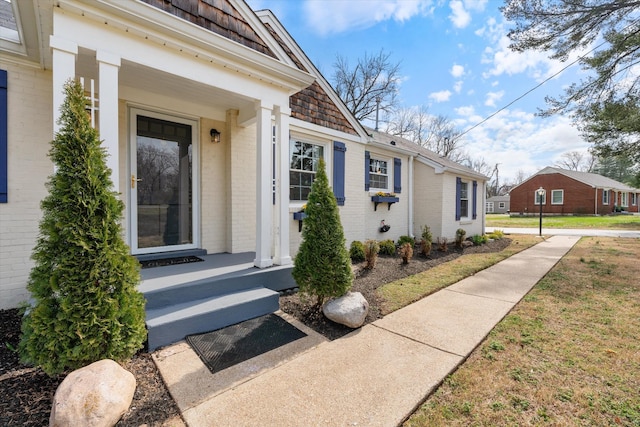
(322, 266)
(85, 303)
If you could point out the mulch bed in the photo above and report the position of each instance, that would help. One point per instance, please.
(27, 393)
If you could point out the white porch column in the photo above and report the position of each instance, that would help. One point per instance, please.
(410, 192)
(64, 68)
(282, 256)
(264, 207)
(108, 67)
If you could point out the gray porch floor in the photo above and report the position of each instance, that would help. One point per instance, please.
(214, 265)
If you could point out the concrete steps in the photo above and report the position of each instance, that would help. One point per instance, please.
(173, 323)
(199, 297)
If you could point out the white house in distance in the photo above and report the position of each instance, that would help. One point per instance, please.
(213, 120)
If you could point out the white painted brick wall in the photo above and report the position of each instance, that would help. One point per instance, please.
(29, 134)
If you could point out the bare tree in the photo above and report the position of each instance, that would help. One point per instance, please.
(371, 84)
(576, 161)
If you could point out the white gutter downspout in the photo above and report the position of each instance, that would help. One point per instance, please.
(410, 219)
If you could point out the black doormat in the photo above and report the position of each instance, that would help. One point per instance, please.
(169, 261)
(234, 344)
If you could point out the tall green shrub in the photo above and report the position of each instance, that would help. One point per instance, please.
(85, 304)
(322, 266)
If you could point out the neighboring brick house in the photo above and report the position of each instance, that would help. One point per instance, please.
(573, 193)
(498, 204)
(227, 99)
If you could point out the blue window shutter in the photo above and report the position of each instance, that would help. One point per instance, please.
(458, 191)
(4, 140)
(367, 158)
(339, 149)
(475, 199)
(397, 175)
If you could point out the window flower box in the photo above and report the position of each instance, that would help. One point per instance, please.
(384, 198)
(299, 216)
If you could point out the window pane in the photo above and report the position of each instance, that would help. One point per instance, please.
(556, 196)
(464, 208)
(463, 191)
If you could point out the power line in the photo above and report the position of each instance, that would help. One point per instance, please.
(538, 85)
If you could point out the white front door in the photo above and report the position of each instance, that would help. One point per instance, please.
(163, 184)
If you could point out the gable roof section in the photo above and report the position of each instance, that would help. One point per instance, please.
(218, 16)
(591, 179)
(318, 103)
(428, 157)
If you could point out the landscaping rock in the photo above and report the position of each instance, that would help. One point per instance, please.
(96, 395)
(350, 309)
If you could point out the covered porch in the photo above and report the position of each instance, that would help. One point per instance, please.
(233, 192)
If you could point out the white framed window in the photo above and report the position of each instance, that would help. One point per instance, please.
(605, 197)
(464, 200)
(303, 165)
(536, 198)
(378, 174)
(624, 199)
(557, 197)
(489, 207)
(501, 205)
(634, 199)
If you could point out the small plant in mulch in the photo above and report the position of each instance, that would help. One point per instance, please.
(406, 252)
(387, 247)
(460, 233)
(356, 251)
(371, 249)
(443, 244)
(427, 241)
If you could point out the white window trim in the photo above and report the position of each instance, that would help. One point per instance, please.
(624, 199)
(562, 198)
(327, 150)
(389, 160)
(537, 198)
(468, 216)
(502, 205)
(607, 193)
(634, 199)
(489, 207)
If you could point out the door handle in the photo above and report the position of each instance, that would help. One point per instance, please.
(134, 180)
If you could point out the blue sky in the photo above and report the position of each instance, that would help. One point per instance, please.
(455, 61)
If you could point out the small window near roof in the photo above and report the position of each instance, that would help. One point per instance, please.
(378, 174)
(501, 205)
(557, 197)
(8, 22)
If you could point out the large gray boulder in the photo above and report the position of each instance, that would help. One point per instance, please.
(96, 395)
(350, 309)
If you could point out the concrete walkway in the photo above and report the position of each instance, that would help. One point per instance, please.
(375, 376)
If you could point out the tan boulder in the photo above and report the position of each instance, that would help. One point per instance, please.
(94, 396)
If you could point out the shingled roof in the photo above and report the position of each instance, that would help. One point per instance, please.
(218, 16)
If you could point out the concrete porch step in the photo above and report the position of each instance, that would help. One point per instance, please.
(172, 323)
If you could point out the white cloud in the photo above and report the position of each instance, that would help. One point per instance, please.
(441, 96)
(493, 97)
(344, 16)
(518, 140)
(457, 86)
(460, 15)
(457, 70)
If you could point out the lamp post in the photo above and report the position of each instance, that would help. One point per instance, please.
(540, 192)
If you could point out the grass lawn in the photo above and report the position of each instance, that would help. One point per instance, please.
(620, 222)
(567, 354)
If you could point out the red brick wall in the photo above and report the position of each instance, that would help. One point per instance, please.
(578, 197)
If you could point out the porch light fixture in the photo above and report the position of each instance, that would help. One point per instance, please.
(215, 136)
(540, 191)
